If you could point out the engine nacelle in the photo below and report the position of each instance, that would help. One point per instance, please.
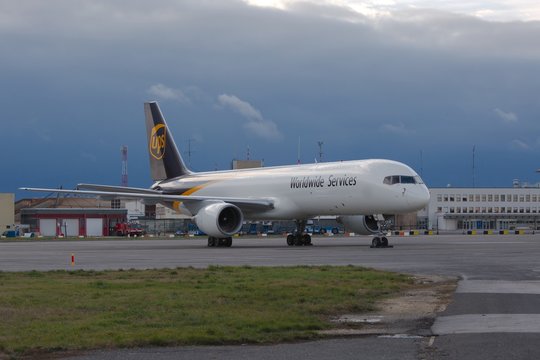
(219, 219)
(360, 224)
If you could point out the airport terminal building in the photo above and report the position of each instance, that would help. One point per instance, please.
(482, 208)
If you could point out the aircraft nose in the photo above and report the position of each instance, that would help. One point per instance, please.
(420, 198)
(424, 198)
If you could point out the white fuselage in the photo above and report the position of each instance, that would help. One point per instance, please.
(305, 191)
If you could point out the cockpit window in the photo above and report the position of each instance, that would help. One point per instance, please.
(400, 179)
(408, 180)
(391, 180)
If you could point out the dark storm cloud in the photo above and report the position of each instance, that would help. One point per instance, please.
(77, 73)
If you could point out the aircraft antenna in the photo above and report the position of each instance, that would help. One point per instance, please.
(320, 143)
(124, 153)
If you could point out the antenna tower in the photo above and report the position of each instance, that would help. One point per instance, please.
(473, 166)
(124, 152)
(320, 143)
(189, 151)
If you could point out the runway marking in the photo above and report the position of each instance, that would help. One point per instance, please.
(490, 242)
(499, 287)
(431, 341)
(487, 323)
(491, 323)
(400, 336)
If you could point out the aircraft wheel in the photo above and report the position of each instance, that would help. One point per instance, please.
(384, 242)
(290, 240)
(212, 241)
(306, 239)
(298, 241)
(228, 242)
(376, 242)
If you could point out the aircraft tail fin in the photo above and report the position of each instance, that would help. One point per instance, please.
(165, 159)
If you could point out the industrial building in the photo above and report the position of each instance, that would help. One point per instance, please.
(482, 209)
(7, 212)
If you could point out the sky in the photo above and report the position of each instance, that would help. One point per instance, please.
(422, 82)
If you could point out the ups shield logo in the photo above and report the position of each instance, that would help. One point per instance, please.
(157, 141)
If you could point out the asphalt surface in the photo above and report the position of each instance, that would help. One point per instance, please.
(495, 313)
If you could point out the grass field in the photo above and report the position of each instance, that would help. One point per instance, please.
(59, 310)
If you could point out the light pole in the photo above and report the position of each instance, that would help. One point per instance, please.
(536, 218)
(320, 143)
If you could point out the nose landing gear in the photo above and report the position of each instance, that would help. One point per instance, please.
(380, 240)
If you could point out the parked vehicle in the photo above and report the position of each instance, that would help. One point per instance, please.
(10, 233)
(128, 229)
(315, 229)
(329, 229)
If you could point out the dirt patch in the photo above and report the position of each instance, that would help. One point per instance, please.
(411, 312)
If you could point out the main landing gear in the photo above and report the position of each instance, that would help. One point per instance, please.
(219, 242)
(380, 242)
(299, 238)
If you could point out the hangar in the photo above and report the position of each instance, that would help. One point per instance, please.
(72, 221)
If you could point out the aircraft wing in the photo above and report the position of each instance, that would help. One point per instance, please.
(148, 194)
(119, 189)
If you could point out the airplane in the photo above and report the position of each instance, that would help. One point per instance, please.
(358, 192)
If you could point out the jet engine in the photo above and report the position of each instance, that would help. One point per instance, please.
(360, 224)
(219, 219)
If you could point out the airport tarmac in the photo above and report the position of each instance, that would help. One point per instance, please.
(495, 313)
